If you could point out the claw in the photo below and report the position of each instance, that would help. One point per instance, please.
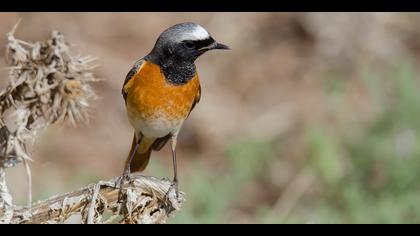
(173, 187)
(122, 179)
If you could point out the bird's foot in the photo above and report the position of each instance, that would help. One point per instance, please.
(173, 190)
(121, 181)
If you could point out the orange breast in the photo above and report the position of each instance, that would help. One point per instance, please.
(150, 96)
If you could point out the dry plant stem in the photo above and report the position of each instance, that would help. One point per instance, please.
(6, 206)
(29, 180)
(91, 212)
(145, 200)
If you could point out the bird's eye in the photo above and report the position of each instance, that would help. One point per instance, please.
(189, 44)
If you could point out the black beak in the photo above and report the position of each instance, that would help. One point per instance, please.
(214, 45)
(220, 46)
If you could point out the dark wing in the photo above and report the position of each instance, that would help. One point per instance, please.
(130, 75)
(196, 99)
(160, 142)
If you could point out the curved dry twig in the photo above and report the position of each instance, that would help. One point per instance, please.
(144, 200)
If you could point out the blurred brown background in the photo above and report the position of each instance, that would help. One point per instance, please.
(282, 123)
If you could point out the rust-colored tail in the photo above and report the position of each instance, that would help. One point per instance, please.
(142, 156)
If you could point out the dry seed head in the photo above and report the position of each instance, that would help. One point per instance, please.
(47, 84)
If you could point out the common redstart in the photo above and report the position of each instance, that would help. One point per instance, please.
(162, 89)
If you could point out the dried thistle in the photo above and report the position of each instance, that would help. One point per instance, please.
(46, 85)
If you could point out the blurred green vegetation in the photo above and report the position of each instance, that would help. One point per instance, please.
(380, 180)
(362, 174)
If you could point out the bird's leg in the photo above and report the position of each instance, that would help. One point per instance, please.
(127, 167)
(173, 147)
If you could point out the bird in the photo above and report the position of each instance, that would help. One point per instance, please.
(162, 89)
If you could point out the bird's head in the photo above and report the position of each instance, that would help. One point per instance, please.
(186, 42)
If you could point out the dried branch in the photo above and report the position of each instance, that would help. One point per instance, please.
(145, 200)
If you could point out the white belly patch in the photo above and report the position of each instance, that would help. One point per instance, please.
(156, 127)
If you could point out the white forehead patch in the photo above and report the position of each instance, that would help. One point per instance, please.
(194, 33)
(200, 33)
